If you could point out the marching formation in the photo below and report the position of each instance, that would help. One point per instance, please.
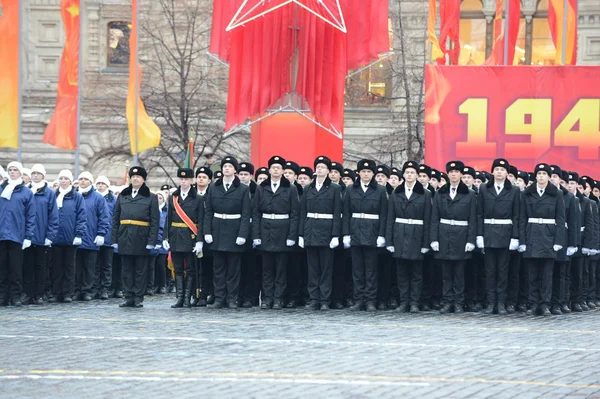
(283, 236)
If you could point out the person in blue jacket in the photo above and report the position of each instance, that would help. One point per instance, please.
(71, 229)
(17, 224)
(104, 263)
(157, 268)
(46, 228)
(97, 226)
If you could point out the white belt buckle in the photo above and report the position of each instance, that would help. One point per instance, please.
(410, 221)
(493, 221)
(541, 220)
(452, 222)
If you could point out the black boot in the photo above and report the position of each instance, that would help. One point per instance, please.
(189, 287)
(178, 292)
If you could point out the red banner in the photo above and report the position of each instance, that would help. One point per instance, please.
(525, 114)
(9, 73)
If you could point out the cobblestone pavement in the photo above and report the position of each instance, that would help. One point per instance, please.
(98, 350)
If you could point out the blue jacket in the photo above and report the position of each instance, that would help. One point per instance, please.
(17, 216)
(111, 201)
(161, 231)
(46, 215)
(98, 220)
(71, 218)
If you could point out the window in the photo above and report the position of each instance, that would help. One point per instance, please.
(118, 44)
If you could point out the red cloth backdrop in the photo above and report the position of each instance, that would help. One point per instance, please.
(260, 53)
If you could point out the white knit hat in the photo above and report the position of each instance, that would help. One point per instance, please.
(26, 172)
(66, 173)
(86, 175)
(102, 179)
(15, 164)
(39, 168)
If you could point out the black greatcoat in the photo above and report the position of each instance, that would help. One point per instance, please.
(328, 200)
(572, 232)
(408, 239)
(587, 229)
(274, 233)
(490, 205)
(235, 201)
(182, 239)
(364, 232)
(540, 238)
(132, 239)
(453, 238)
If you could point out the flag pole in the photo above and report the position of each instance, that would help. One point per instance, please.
(506, 19)
(79, 81)
(137, 94)
(20, 85)
(563, 56)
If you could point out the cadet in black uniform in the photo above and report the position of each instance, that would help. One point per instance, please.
(453, 230)
(407, 235)
(204, 278)
(275, 213)
(249, 291)
(135, 230)
(226, 226)
(341, 253)
(497, 232)
(363, 228)
(320, 229)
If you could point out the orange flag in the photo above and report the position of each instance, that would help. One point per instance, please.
(9, 74)
(436, 52)
(148, 133)
(62, 129)
(556, 18)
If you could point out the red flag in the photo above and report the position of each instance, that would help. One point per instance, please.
(9, 74)
(556, 19)
(514, 22)
(450, 18)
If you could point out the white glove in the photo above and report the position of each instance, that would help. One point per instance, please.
(391, 249)
(149, 247)
(115, 246)
(346, 240)
(240, 241)
(594, 252)
(26, 244)
(571, 251)
(424, 250)
(557, 248)
(208, 238)
(166, 245)
(479, 242)
(514, 244)
(469, 247)
(301, 242)
(522, 248)
(586, 251)
(156, 247)
(435, 246)
(256, 243)
(77, 241)
(290, 243)
(99, 241)
(47, 242)
(198, 248)
(380, 242)
(334, 243)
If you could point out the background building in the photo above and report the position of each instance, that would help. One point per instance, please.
(185, 89)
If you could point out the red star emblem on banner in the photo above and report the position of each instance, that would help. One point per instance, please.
(329, 11)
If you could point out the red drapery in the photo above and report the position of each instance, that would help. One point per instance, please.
(450, 19)
(514, 22)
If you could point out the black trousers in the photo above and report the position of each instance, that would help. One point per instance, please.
(104, 264)
(274, 269)
(151, 273)
(160, 271)
(384, 276)
(295, 275)
(117, 281)
(320, 273)
(227, 271)
(597, 281)
(348, 279)
(11, 270)
(63, 264)
(207, 276)
(34, 270)
(184, 261)
(540, 281)
(409, 274)
(248, 291)
(512, 287)
(496, 272)
(365, 273)
(85, 271)
(593, 276)
(432, 280)
(338, 279)
(49, 273)
(574, 280)
(453, 282)
(558, 283)
(134, 271)
(471, 279)
(523, 283)
(585, 279)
